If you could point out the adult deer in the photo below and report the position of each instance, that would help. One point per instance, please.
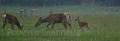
(55, 18)
(10, 19)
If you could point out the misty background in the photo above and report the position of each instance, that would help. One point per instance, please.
(45, 7)
(60, 2)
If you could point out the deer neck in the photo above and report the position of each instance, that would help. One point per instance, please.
(19, 26)
(45, 20)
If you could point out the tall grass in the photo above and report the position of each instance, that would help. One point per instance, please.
(104, 25)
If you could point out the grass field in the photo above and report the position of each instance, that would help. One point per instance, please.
(104, 24)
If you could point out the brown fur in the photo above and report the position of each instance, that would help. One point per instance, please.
(12, 20)
(54, 18)
(82, 24)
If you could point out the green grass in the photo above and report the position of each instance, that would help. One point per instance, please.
(104, 25)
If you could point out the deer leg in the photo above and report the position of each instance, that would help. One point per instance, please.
(53, 25)
(4, 24)
(49, 25)
(65, 25)
(12, 25)
(87, 26)
(21, 12)
(69, 25)
(81, 27)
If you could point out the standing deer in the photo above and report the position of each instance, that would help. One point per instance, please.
(10, 19)
(51, 11)
(33, 12)
(23, 10)
(55, 18)
(82, 24)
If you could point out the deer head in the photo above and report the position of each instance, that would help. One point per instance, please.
(5, 12)
(38, 22)
(77, 19)
(20, 27)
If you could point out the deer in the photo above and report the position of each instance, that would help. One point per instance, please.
(51, 11)
(55, 18)
(82, 24)
(23, 10)
(33, 12)
(7, 18)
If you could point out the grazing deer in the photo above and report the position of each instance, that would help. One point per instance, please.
(82, 24)
(10, 19)
(55, 18)
(33, 12)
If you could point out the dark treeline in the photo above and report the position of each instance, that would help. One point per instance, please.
(60, 2)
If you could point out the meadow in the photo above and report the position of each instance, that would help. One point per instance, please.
(104, 24)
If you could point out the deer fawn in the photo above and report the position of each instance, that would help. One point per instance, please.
(82, 24)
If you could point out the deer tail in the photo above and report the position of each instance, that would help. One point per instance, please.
(3, 16)
(67, 17)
